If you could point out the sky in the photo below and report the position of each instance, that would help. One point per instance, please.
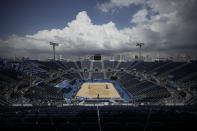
(86, 27)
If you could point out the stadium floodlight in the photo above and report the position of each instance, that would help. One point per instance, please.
(54, 44)
(140, 46)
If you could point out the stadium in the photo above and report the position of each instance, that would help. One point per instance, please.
(98, 95)
(98, 65)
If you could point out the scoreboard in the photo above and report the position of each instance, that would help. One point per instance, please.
(97, 57)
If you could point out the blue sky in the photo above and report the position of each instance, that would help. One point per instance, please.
(23, 17)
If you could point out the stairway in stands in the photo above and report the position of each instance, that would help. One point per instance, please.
(116, 67)
(154, 69)
(188, 77)
(91, 69)
(78, 68)
(171, 70)
(103, 69)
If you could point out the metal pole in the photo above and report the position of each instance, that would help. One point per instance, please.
(140, 52)
(54, 52)
(54, 44)
(140, 46)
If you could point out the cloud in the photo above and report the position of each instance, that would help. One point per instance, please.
(113, 4)
(80, 36)
(168, 28)
(164, 25)
(140, 17)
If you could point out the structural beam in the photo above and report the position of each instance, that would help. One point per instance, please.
(140, 46)
(54, 44)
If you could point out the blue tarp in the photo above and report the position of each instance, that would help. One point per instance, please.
(64, 84)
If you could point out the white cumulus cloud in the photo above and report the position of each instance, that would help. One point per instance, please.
(113, 4)
(80, 35)
(164, 25)
(166, 28)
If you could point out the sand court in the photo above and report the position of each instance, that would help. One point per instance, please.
(95, 90)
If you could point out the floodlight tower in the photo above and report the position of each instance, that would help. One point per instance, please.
(140, 46)
(54, 44)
